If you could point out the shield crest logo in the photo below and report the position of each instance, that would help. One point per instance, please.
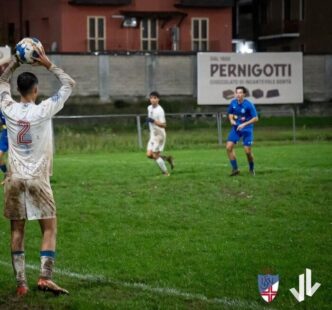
(268, 285)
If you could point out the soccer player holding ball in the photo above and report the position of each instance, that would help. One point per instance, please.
(242, 116)
(28, 193)
(157, 124)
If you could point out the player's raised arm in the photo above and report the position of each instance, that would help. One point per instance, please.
(54, 104)
(5, 78)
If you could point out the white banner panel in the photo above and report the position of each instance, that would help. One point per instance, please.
(269, 77)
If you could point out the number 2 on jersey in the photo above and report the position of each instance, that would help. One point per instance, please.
(23, 136)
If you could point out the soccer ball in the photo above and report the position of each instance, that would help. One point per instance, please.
(26, 49)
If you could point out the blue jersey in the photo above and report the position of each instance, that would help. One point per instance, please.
(3, 136)
(242, 112)
(3, 121)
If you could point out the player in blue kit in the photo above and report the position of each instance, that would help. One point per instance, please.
(3, 144)
(242, 115)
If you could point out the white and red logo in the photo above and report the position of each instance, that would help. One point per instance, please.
(268, 286)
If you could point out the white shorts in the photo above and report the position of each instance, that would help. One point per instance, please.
(156, 144)
(28, 199)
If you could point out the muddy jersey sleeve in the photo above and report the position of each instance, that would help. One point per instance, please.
(6, 75)
(54, 104)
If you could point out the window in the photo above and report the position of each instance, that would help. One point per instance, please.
(96, 33)
(199, 33)
(302, 9)
(149, 34)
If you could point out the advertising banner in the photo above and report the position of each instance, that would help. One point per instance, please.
(270, 78)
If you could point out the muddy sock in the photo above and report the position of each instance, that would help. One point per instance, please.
(47, 259)
(18, 261)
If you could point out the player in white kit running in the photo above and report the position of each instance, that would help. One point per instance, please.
(157, 124)
(28, 193)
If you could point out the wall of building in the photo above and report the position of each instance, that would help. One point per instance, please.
(67, 25)
(9, 13)
(43, 17)
(74, 26)
(110, 77)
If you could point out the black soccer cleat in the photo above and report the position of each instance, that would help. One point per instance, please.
(234, 172)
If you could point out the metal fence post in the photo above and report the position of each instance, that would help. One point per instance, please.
(219, 127)
(139, 131)
(294, 124)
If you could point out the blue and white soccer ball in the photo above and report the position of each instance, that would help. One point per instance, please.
(26, 50)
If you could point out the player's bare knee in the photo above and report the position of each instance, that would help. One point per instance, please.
(17, 226)
(17, 240)
(229, 147)
(248, 151)
(155, 155)
(50, 234)
(249, 154)
(17, 237)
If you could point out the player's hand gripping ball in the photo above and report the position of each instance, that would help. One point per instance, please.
(26, 50)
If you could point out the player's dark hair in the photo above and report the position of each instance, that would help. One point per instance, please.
(25, 83)
(154, 94)
(243, 89)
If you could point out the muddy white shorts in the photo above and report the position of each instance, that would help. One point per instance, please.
(30, 199)
(156, 143)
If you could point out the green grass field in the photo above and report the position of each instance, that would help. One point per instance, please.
(130, 238)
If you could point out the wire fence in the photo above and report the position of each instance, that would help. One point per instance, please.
(184, 130)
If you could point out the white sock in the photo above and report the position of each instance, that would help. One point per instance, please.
(160, 162)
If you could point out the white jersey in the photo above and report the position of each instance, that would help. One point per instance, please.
(158, 114)
(30, 134)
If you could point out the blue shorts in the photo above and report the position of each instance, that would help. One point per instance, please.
(4, 141)
(236, 135)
